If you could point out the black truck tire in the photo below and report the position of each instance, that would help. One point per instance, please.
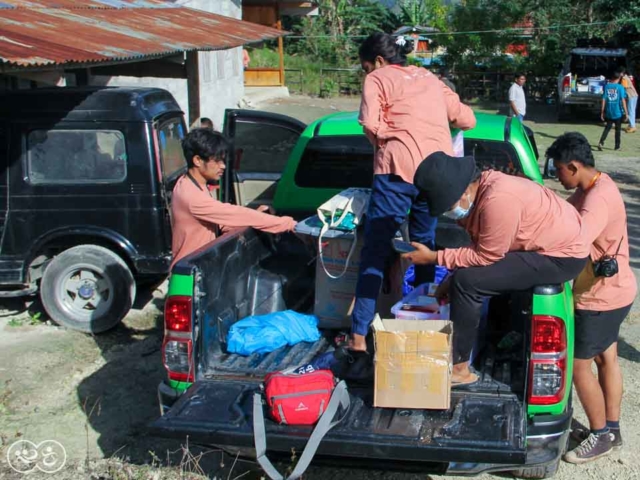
(544, 471)
(87, 288)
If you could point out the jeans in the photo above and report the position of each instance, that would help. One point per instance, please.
(391, 199)
(516, 271)
(607, 129)
(632, 105)
(520, 117)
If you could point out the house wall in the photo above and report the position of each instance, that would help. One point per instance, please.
(221, 72)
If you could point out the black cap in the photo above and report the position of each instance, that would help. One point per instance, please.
(442, 179)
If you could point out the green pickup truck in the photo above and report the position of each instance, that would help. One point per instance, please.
(516, 419)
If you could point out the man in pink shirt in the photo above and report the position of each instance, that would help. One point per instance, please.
(196, 215)
(603, 294)
(522, 235)
(406, 113)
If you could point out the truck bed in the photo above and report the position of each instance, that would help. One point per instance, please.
(254, 275)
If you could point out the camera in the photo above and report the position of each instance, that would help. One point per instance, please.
(605, 267)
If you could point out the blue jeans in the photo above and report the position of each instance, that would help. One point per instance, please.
(633, 104)
(391, 199)
(520, 117)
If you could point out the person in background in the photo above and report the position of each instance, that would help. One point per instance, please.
(196, 215)
(406, 113)
(614, 108)
(245, 58)
(602, 299)
(632, 99)
(522, 235)
(517, 99)
(206, 123)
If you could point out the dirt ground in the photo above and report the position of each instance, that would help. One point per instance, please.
(95, 395)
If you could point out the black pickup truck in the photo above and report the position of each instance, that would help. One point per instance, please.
(516, 419)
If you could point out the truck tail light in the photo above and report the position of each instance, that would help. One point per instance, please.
(566, 84)
(548, 367)
(177, 347)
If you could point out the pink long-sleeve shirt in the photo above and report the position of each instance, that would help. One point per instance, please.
(512, 214)
(604, 227)
(196, 215)
(407, 113)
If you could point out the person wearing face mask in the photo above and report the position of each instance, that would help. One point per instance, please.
(407, 114)
(522, 235)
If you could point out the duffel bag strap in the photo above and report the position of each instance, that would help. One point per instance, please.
(339, 398)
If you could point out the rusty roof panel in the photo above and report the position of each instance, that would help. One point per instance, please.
(83, 4)
(49, 36)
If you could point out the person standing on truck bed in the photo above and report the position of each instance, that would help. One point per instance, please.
(196, 215)
(517, 99)
(614, 108)
(603, 294)
(522, 235)
(406, 113)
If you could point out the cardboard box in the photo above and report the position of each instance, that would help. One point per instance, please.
(335, 298)
(413, 363)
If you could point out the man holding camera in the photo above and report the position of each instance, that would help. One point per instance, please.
(603, 294)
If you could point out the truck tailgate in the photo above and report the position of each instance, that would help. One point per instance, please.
(481, 428)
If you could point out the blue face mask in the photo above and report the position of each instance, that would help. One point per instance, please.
(458, 213)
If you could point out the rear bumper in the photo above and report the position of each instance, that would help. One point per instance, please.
(541, 451)
(582, 101)
(153, 265)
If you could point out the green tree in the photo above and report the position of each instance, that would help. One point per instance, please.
(431, 13)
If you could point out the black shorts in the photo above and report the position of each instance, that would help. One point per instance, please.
(597, 331)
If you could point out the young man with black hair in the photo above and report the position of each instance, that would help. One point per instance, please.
(603, 293)
(522, 235)
(614, 108)
(196, 215)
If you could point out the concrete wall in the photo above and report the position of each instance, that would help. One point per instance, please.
(221, 72)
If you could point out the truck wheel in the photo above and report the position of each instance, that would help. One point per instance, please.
(544, 471)
(87, 288)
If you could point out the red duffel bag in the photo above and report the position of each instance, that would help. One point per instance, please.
(294, 399)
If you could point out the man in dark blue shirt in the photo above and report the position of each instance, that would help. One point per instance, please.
(614, 108)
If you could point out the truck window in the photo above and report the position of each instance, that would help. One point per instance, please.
(493, 155)
(75, 157)
(336, 162)
(262, 147)
(170, 135)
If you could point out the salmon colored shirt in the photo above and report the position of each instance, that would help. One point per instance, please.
(196, 215)
(604, 227)
(407, 113)
(513, 214)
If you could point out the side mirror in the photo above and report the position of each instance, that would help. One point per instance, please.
(549, 169)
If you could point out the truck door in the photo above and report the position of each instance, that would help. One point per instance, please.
(261, 144)
(168, 135)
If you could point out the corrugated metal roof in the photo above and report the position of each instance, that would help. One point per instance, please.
(81, 4)
(104, 31)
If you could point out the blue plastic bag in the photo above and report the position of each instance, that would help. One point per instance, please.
(266, 333)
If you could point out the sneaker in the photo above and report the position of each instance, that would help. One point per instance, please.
(617, 148)
(581, 434)
(600, 146)
(630, 130)
(594, 447)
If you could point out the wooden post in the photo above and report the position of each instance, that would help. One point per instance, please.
(281, 52)
(193, 86)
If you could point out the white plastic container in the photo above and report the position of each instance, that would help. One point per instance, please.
(421, 295)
